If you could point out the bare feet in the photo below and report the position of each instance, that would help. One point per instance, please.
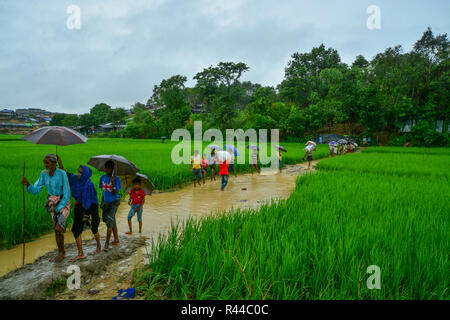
(59, 257)
(116, 243)
(78, 257)
(106, 247)
(129, 232)
(97, 251)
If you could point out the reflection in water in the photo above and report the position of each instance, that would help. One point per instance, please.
(243, 191)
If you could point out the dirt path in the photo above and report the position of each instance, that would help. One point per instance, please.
(102, 275)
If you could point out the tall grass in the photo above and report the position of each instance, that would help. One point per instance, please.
(318, 243)
(151, 156)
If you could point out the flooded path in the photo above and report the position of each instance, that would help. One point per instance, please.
(160, 210)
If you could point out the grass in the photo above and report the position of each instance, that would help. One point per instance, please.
(318, 243)
(151, 156)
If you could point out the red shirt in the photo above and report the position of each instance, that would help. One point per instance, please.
(204, 163)
(223, 169)
(137, 196)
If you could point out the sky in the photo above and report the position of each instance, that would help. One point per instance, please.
(123, 48)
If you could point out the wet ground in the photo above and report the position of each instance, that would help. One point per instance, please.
(160, 210)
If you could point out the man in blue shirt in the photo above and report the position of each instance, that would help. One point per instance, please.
(110, 185)
(58, 201)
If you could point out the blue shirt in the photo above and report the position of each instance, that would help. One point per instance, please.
(56, 185)
(106, 186)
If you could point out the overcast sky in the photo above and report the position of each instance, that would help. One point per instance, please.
(123, 48)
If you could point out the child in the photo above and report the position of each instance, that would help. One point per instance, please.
(136, 200)
(223, 172)
(110, 184)
(196, 167)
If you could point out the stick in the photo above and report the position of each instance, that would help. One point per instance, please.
(24, 215)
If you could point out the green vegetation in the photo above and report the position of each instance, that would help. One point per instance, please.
(318, 91)
(318, 243)
(151, 156)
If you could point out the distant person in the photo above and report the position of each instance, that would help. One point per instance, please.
(110, 185)
(231, 162)
(331, 147)
(196, 167)
(309, 149)
(335, 149)
(365, 141)
(86, 206)
(255, 160)
(212, 161)
(223, 172)
(204, 169)
(58, 199)
(369, 141)
(136, 201)
(280, 160)
(320, 139)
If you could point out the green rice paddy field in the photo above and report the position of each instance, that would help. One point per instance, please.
(385, 206)
(151, 156)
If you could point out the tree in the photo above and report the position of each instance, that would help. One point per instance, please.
(117, 116)
(138, 107)
(57, 119)
(70, 120)
(360, 62)
(86, 119)
(100, 113)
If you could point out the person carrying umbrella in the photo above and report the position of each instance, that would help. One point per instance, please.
(110, 185)
(58, 200)
(86, 206)
(280, 156)
(212, 164)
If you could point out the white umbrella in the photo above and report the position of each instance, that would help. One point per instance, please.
(223, 156)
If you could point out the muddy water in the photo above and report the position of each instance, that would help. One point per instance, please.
(243, 191)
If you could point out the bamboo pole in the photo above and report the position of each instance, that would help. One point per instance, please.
(24, 216)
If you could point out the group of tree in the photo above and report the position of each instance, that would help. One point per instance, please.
(99, 114)
(318, 91)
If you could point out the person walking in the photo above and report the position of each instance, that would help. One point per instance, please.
(86, 206)
(110, 185)
(58, 199)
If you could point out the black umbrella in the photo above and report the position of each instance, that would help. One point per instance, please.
(122, 166)
(146, 184)
(55, 135)
(281, 148)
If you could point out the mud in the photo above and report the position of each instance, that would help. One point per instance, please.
(33, 280)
